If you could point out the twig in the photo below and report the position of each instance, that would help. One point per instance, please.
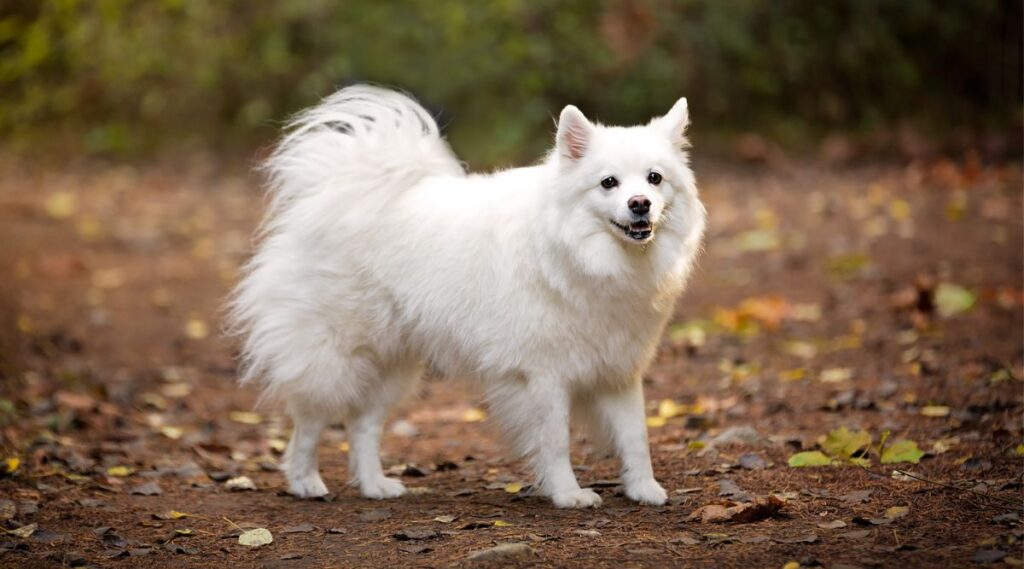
(1016, 504)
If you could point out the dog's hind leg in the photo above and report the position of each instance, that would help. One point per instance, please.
(364, 426)
(300, 460)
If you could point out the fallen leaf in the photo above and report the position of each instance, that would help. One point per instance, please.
(856, 534)
(834, 524)
(760, 508)
(446, 519)
(119, 471)
(896, 512)
(245, 417)
(240, 483)
(656, 421)
(935, 411)
(473, 415)
(809, 459)
(902, 451)
(951, 299)
(301, 528)
(255, 537)
(60, 205)
(24, 532)
(843, 443)
(513, 487)
(170, 515)
(196, 329)
(835, 375)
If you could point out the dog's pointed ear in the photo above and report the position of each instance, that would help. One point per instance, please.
(574, 134)
(674, 123)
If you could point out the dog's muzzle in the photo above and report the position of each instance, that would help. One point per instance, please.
(639, 230)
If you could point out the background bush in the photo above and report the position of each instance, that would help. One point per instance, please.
(130, 76)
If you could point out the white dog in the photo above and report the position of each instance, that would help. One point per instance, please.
(550, 285)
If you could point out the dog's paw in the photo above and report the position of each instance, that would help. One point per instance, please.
(382, 488)
(647, 492)
(579, 498)
(307, 486)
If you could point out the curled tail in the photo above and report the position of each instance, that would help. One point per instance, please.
(338, 166)
(363, 144)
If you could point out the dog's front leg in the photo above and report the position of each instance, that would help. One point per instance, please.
(622, 413)
(534, 413)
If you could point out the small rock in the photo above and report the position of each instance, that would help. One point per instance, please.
(147, 489)
(752, 461)
(745, 435)
(416, 534)
(988, 556)
(504, 551)
(376, 515)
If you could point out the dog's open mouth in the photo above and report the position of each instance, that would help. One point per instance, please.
(637, 230)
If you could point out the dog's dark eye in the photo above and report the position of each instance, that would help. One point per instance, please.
(654, 178)
(609, 182)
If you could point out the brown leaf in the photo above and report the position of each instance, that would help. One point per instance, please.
(761, 508)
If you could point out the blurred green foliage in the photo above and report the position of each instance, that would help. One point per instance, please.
(128, 76)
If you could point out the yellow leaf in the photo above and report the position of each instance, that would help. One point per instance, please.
(246, 417)
(513, 487)
(1019, 450)
(655, 422)
(473, 415)
(501, 524)
(176, 515)
(896, 512)
(669, 408)
(835, 375)
(11, 464)
(792, 565)
(173, 433)
(843, 443)
(61, 205)
(696, 445)
(255, 537)
(899, 209)
(793, 374)
(935, 411)
(196, 329)
(119, 471)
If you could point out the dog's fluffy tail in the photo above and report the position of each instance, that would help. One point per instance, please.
(338, 166)
(361, 145)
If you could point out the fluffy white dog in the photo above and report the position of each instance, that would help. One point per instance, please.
(549, 285)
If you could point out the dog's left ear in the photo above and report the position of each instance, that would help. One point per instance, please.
(674, 123)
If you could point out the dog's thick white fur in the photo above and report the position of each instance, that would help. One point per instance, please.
(550, 285)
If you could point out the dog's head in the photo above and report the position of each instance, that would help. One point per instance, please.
(626, 185)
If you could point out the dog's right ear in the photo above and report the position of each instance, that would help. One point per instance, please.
(574, 134)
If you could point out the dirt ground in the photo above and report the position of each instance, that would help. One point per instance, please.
(879, 298)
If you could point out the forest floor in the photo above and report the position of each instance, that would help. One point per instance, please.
(875, 299)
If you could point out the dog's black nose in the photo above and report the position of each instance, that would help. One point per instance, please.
(639, 204)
